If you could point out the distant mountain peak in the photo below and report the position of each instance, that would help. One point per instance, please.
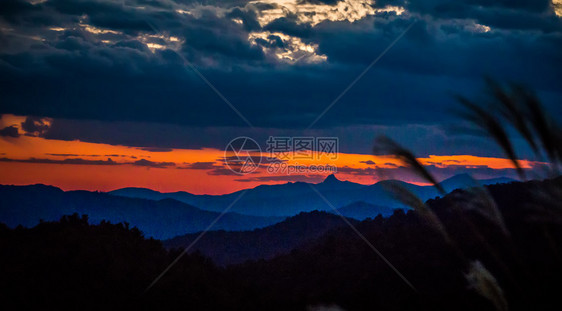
(467, 181)
(331, 179)
(461, 176)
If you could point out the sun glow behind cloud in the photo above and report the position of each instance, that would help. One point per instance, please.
(314, 14)
(286, 48)
(293, 50)
(160, 41)
(557, 6)
(96, 30)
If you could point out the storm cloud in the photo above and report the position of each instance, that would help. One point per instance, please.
(278, 64)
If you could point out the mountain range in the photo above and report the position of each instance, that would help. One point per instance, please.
(163, 219)
(292, 198)
(167, 215)
(227, 248)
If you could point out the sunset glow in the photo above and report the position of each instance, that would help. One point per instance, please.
(73, 165)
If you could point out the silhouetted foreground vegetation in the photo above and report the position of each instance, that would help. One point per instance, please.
(71, 264)
(233, 247)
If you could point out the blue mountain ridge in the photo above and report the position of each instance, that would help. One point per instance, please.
(165, 215)
(291, 198)
(162, 219)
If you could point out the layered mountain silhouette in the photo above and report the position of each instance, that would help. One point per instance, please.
(166, 215)
(227, 248)
(27, 205)
(463, 181)
(363, 210)
(292, 198)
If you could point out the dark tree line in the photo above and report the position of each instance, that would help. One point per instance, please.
(72, 264)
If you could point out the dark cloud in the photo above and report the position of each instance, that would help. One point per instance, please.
(9, 131)
(471, 8)
(290, 26)
(200, 166)
(52, 65)
(291, 178)
(156, 149)
(78, 155)
(329, 2)
(423, 139)
(223, 171)
(63, 154)
(369, 162)
(391, 165)
(74, 161)
(80, 161)
(248, 18)
(35, 126)
(440, 172)
(148, 163)
(358, 171)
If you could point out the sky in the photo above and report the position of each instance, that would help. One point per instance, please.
(100, 95)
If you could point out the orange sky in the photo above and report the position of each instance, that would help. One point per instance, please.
(106, 167)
